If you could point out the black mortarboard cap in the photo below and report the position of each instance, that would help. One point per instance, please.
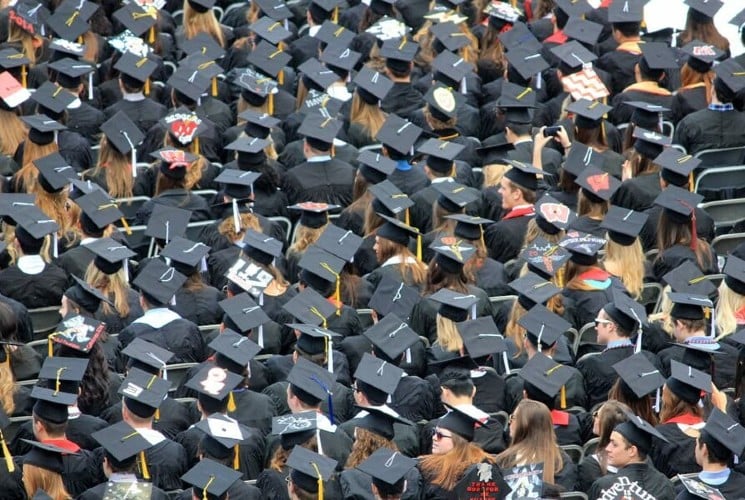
(626, 11)
(469, 227)
(481, 337)
(449, 34)
(626, 312)
(70, 71)
(99, 208)
(374, 166)
(70, 18)
(244, 312)
(453, 305)
(311, 379)
(136, 67)
(528, 63)
(646, 115)
(319, 128)
(398, 134)
(214, 382)
(689, 306)
(585, 31)
(142, 352)
(454, 196)
(122, 133)
(371, 85)
(543, 326)
(186, 252)
(573, 54)
(544, 258)
(392, 198)
(452, 67)
(676, 166)
(276, 9)
(583, 247)
(167, 222)
(237, 349)
(731, 74)
(211, 478)
(334, 34)
(189, 81)
(739, 20)
(314, 340)
(658, 55)
(295, 428)
(588, 114)
(318, 267)
(708, 8)
(269, 59)
(532, 289)
(396, 230)
(520, 36)
(121, 441)
(42, 128)
(159, 281)
(380, 419)
(679, 204)
(317, 73)
(598, 184)
(460, 422)
(46, 455)
(308, 469)
(10, 58)
(391, 336)
(135, 18)
(35, 223)
(639, 432)
(734, 274)
(109, 254)
(313, 214)
(337, 56)
(222, 433)
(639, 374)
(623, 224)
(310, 307)
(574, 7)
(688, 278)
(52, 97)
(726, 431)
(394, 298)
(495, 149)
(143, 392)
(387, 466)
(399, 52)
(378, 373)
(545, 375)
(523, 174)
(60, 368)
(687, 383)
(579, 158)
(271, 30)
(339, 242)
(54, 172)
(262, 243)
(52, 404)
(86, 296)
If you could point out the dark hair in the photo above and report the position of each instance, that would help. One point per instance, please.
(649, 74)
(628, 29)
(94, 388)
(8, 322)
(519, 128)
(457, 381)
(211, 405)
(718, 453)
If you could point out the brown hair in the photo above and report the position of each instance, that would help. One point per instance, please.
(28, 174)
(110, 285)
(12, 133)
(639, 406)
(610, 414)
(670, 234)
(369, 116)
(690, 77)
(35, 478)
(202, 22)
(279, 459)
(365, 444)
(699, 27)
(117, 168)
(26, 39)
(673, 406)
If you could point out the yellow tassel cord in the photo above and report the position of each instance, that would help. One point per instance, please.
(406, 217)
(270, 105)
(57, 381)
(6, 453)
(147, 86)
(143, 466)
(195, 145)
(314, 310)
(214, 87)
(231, 403)
(281, 78)
(419, 247)
(337, 291)
(335, 17)
(236, 458)
(50, 346)
(563, 397)
(320, 480)
(206, 487)
(151, 35)
(24, 73)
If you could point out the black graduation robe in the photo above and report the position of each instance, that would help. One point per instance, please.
(356, 485)
(648, 234)
(98, 492)
(403, 99)
(574, 388)
(173, 417)
(34, 290)
(639, 478)
(166, 462)
(688, 100)
(409, 178)
(707, 129)
(237, 491)
(250, 450)
(342, 399)
(179, 198)
(145, 112)
(504, 239)
(677, 456)
(199, 306)
(620, 65)
(328, 181)
(85, 120)
(75, 261)
(671, 258)
(639, 192)
(424, 314)
(180, 336)
(279, 367)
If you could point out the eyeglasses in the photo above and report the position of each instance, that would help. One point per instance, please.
(601, 321)
(439, 435)
(596, 414)
(511, 418)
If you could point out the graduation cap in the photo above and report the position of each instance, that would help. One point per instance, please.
(721, 428)
(639, 374)
(269, 59)
(135, 69)
(137, 19)
(455, 306)
(214, 382)
(394, 298)
(544, 258)
(583, 247)
(310, 307)
(543, 327)
(698, 488)
(147, 356)
(70, 71)
(12, 92)
(174, 162)
(576, 8)
(647, 115)
(469, 227)
(552, 216)
(708, 8)
(340, 58)
(54, 172)
(481, 337)
(260, 247)
(372, 86)
(546, 376)
(271, 30)
(731, 74)
(167, 222)
(255, 87)
(650, 143)
(450, 36)
(701, 56)
(388, 28)
(459, 421)
(234, 351)
(627, 313)
(320, 130)
(276, 9)
(43, 130)
(46, 456)
(399, 232)
(398, 134)
(121, 441)
(53, 98)
(315, 340)
(688, 278)
(389, 197)
(588, 114)
(211, 478)
(380, 419)
(184, 125)
(124, 135)
(143, 392)
(110, 255)
(64, 374)
(185, 254)
(658, 55)
(597, 185)
(31, 16)
(532, 289)
(189, 82)
(378, 373)
(398, 53)
(314, 214)
(387, 468)
(295, 428)
(98, 210)
(159, 282)
(70, 18)
(527, 63)
(309, 470)
(375, 167)
(523, 174)
(442, 102)
(572, 55)
(239, 183)
(623, 225)
(52, 404)
(339, 242)
(79, 333)
(626, 11)
(391, 337)
(495, 149)
(32, 225)
(520, 36)
(739, 20)
(687, 383)
(734, 274)
(451, 69)
(676, 166)
(86, 296)
(244, 313)
(454, 196)
(517, 102)
(452, 254)
(690, 306)
(678, 204)
(315, 383)
(222, 438)
(583, 30)
(334, 34)
(318, 268)
(316, 74)
(639, 432)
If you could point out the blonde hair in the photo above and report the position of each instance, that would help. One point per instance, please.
(9, 236)
(513, 328)
(447, 335)
(445, 470)
(626, 263)
(26, 39)
(110, 284)
(36, 478)
(201, 22)
(8, 386)
(533, 231)
(305, 237)
(12, 133)
(730, 302)
(493, 174)
(55, 206)
(369, 116)
(248, 221)
(117, 168)
(28, 175)
(663, 316)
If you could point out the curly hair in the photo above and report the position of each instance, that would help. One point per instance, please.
(94, 388)
(248, 221)
(305, 237)
(365, 444)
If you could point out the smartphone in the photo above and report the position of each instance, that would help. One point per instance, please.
(551, 131)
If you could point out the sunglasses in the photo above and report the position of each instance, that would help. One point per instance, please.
(601, 321)
(439, 435)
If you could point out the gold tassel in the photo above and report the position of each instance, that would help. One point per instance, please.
(206, 487)
(214, 87)
(406, 217)
(236, 457)
(690, 181)
(50, 346)
(281, 77)
(335, 17)
(147, 86)
(151, 34)
(157, 414)
(419, 247)
(195, 145)
(231, 403)
(320, 481)
(24, 72)
(143, 466)
(270, 105)
(6, 453)
(127, 229)
(563, 397)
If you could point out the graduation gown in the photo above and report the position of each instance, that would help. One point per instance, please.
(342, 399)
(414, 399)
(707, 129)
(199, 306)
(504, 239)
(116, 323)
(403, 99)
(24, 332)
(180, 336)
(634, 477)
(587, 303)
(327, 181)
(405, 436)
(356, 485)
(78, 431)
(166, 462)
(721, 365)
(648, 234)
(639, 192)
(144, 112)
(174, 417)
(424, 314)
(75, 261)
(237, 491)
(672, 257)
(731, 488)
(588, 471)
(688, 100)
(279, 367)
(85, 120)
(179, 198)
(678, 455)
(574, 388)
(34, 290)
(620, 65)
(250, 450)
(588, 225)
(646, 91)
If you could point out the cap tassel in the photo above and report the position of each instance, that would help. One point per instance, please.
(320, 480)
(406, 217)
(147, 86)
(24, 73)
(506, 363)
(151, 35)
(419, 248)
(50, 346)
(656, 406)
(281, 77)
(143, 466)
(214, 87)
(270, 105)
(236, 456)
(6, 453)
(329, 349)
(236, 216)
(335, 17)
(205, 493)
(231, 403)
(314, 310)
(157, 414)
(195, 144)
(261, 336)
(563, 397)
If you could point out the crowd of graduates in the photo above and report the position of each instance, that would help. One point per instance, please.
(377, 249)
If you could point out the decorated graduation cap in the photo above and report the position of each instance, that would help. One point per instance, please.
(158, 282)
(388, 470)
(460, 421)
(597, 185)
(398, 134)
(147, 356)
(544, 258)
(174, 162)
(46, 456)
(442, 102)
(627, 313)
(379, 375)
(184, 126)
(687, 383)
(389, 200)
(544, 375)
(649, 143)
(398, 53)
(552, 216)
(309, 470)
(31, 16)
(214, 385)
(211, 480)
(388, 28)
(588, 114)
(110, 255)
(701, 55)
(394, 297)
(690, 306)
(12, 92)
(222, 437)
(722, 430)
(543, 327)
(77, 334)
(639, 432)
(455, 306)
(143, 392)
(380, 419)
(54, 172)
(372, 86)
(124, 136)
(339, 242)
(688, 278)
(312, 384)
(676, 167)
(623, 225)
(310, 307)
(641, 376)
(165, 223)
(391, 337)
(451, 254)
(295, 428)
(626, 11)
(314, 340)
(523, 174)
(532, 290)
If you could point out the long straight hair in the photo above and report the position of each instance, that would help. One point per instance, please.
(626, 263)
(445, 470)
(117, 168)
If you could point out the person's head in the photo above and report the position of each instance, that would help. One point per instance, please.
(642, 406)
(39, 478)
(728, 305)
(709, 451)
(608, 329)
(514, 195)
(620, 452)
(299, 400)
(137, 414)
(456, 386)
(605, 419)
(679, 399)
(623, 31)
